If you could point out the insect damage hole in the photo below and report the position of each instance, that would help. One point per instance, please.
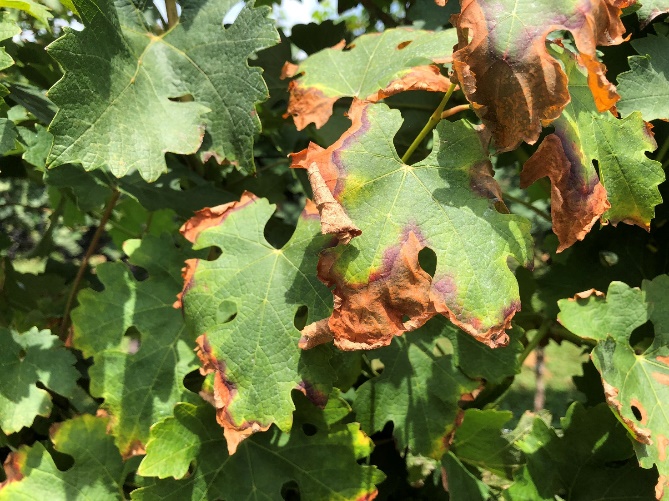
(300, 319)
(636, 412)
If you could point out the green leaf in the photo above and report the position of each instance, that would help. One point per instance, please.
(25, 360)
(140, 386)
(418, 390)
(320, 454)
(636, 381)
(650, 9)
(8, 135)
(97, 472)
(36, 10)
(8, 29)
(244, 304)
(377, 65)
(590, 460)
(38, 143)
(645, 87)
(583, 136)
(462, 484)
(116, 91)
(448, 202)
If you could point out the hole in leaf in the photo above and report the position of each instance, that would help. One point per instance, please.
(193, 381)
(642, 337)
(300, 319)
(428, 260)
(405, 318)
(277, 232)
(214, 253)
(403, 44)
(309, 429)
(186, 98)
(140, 274)
(132, 340)
(22, 354)
(227, 311)
(290, 491)
(636, 412)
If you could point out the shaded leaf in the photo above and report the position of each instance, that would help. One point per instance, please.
(8, 29)
(418, 390)
(629, 179)
(448, 202)
(97, 472)
(376, 66)
(460, 482)
(650, 9)
(591, 460)
(25, 360)
(636, 382)
(140, 384)
(8, 135)
(645, 87)
(505, 71)
(319, 454)
(136, 73)
(243, 307)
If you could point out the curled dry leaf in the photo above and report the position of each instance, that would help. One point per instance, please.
(380, 290)
(505, 71)
(402, 61)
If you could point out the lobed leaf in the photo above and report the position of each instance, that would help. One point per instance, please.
(645, 87)
(448, 202)
(125, 88)
(502, 64)
(97, 472)
(140, 384)
(26, 360)
(377, 65)
(243, 306)
(636, 382)
(320, 455)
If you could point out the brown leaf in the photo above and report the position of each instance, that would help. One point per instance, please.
(507, 74)
(577, 201)
(224, 392)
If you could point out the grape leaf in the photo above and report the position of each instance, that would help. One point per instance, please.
(418, 390)
(591, 460)
(319, 454)
(650, 9)
(460, 482)
(645, 87)
(582, 136)
(8, 135)
(25, 360)
(8, 29)
(636, 384)
(97, 472)
(243, 306)
(36, 10)
(505, 71)
(447, 202)
(139, 388)
(377, 65)
(138, 74)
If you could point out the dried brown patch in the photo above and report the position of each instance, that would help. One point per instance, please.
(603, 91)
(187, 273)
(427, 78)
(12, 467)
(611, 394)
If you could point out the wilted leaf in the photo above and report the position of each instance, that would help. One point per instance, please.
(319, 455)
(141, 380)
(645, 87)
(448, 202)
(513, 83)
(582, 136)
(25, 360)
(636, 383)
(116, 68)
(418, 390)
(590, 460)
(97, 472)
(376, 66)
(243, 306)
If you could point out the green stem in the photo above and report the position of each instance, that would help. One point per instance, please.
(65, 323)
(172, 13)
(542, 332)
(567, 335)
(537, 211)
(431, 124)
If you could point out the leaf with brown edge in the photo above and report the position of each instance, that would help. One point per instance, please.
(375, 66)
(447, 202)
(635, 378)
(243, 305)
(502, 64)
(627, 191)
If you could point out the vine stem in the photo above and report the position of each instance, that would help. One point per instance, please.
(537, 211)
(567, 335)
(431, 124)
(172, 13)
(542, 332)
(65, 324)
(455, 109)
